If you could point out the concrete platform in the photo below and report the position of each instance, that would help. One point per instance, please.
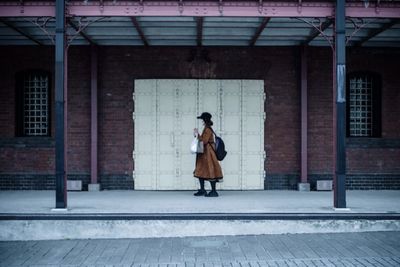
(162, 202)
(29, 215)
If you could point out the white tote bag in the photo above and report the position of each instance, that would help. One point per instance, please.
(197, 146)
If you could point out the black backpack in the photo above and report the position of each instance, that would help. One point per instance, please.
(219, 147)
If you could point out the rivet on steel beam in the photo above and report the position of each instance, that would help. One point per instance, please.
(260, 6)
(299, 6)
(180, 6)
(377, 9)
(101, 6)
(21, 3)
(220, 7)
(141, 6)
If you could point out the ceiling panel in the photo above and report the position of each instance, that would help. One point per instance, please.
(216, 31)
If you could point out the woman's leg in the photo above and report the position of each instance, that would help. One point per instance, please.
(201, 184)
(213, 183)
(201, 191)
(213, 192)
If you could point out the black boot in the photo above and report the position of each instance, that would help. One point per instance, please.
(213, 192)
(201, 191)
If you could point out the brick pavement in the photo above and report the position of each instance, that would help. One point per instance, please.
(344, 249)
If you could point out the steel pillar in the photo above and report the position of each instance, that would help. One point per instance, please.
(60, 136)
(340, 51)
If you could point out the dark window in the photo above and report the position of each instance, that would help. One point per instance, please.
(33, 104)
(363, 105)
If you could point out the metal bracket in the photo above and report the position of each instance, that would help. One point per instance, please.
(317, 24)
(133, 155)
(82, 24)
(358, 25)
(133, 175)
(41, 23)
(133, 116)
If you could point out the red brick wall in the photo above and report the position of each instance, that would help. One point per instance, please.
(119, 66)
(18, 156)
(79, 110)
(368, 157)
(320, 103)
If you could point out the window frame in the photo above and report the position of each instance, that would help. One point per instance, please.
(376, 130)
(19, 102)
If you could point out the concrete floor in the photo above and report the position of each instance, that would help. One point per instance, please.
(185, 202)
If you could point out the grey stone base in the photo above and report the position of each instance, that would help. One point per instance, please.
(303, 187)
(93, 187)
(272, 182)
(353, 181)
(47, 181)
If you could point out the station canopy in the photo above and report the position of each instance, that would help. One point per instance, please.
(204, 23)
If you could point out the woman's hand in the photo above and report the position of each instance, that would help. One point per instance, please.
(195, 132)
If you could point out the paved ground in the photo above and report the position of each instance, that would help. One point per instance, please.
(348, 249)
(185, 202)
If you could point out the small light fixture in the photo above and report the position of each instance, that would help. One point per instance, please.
(366, 3)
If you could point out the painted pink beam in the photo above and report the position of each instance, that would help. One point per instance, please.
(304, 116)
(93, 116)
(198, 9)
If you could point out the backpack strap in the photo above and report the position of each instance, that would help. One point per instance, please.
(214, 142)
(213, 131)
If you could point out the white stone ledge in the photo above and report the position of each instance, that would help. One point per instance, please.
(98, 229)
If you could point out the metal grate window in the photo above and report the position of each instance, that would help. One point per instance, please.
(36, 105)
(360, 103)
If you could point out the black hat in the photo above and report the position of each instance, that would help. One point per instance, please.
(205, 116)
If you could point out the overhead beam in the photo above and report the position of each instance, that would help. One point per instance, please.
(199, 23)
(314, 33)
(259, 31)
(318, 9)
(375, 32)
(12, 26)
(84, 35)
(139, 30)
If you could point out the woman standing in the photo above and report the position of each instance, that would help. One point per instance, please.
(207, 165)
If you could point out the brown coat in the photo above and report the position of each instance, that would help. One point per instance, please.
(207, 165)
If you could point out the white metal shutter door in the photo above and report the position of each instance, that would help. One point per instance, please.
(188, 110)
(230, 131)
(145, 134)
(167, 114)
(253, 134)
